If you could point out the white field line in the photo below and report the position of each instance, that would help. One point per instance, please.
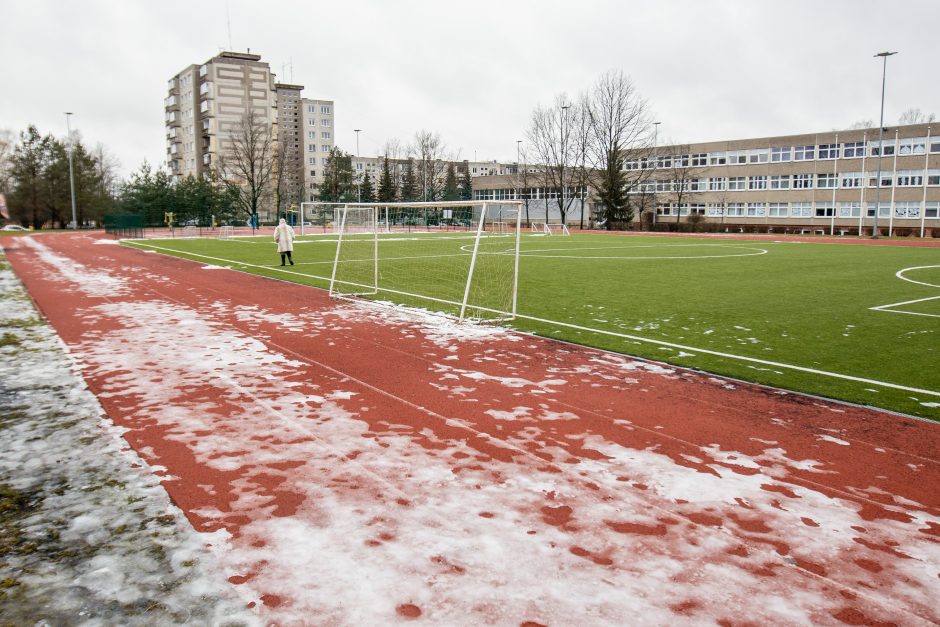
(637, 338)
(900, 275)
(890, 308)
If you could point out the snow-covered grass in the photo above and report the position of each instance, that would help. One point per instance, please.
(88, 536)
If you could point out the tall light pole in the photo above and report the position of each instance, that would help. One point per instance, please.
(881, 131)
(358, 179)
(68, 126)
(518, 152)
(564, 160)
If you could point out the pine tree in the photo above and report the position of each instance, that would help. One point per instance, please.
(366, 191)
(466, 185)
(451, 190)
(338, 178)
(410, 184)
(388, 191)
(610, 192)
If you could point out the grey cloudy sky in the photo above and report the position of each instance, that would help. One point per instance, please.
(473, 71)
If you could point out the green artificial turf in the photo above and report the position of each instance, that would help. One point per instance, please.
(800, 304)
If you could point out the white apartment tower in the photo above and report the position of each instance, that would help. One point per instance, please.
(319, 138)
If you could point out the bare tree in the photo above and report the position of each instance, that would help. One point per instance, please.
(279, 177)
(430, 164)
(247, 163)
(860, 125)
(620, 128)
(7, 144)
(680, 171)
(556, 147)
(915, 116)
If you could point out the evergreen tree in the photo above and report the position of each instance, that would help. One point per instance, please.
(451, 189)
(610, 192)
(366, 191)
(409, 185)
(338, 179)
(26, 172)
(466, 185)
(388, 191)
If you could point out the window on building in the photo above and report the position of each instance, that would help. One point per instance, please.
(717, 158)
(804, 153)
(311, 134)
(828, 151)
(935, 144)
(664, 162)
(313, 172)
(663, 185)
(323, 160)
(886, 179)
(884, 210)
(825, 210)
(932, 210)
(760, 155)
(780, 154)
(326, 109)
(700, 159)
(737, 157)
(326, 135)
(852, 150)
(850, 209)
(312, 160)
(829, 180)
(801, 210)
(714, 209)
(697, 185)
(737, 183)
(326, 122)
(912, 146)
(311, 147)
(933, 177)
(908, 209)
(851, 179)
(756, 209)
(735, 209)
(757, 182)
(780, 181)
(324, 148)
(887, 145)
(716, 184)
(802, 181)
(910, 178)
(778, 209)
(311, 109)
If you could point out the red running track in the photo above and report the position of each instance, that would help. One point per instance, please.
(354, 464)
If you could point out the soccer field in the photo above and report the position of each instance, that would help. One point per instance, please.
(853, 322)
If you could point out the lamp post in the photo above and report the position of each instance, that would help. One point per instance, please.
(68, 126)
(358, 178)
(881, 131)
(563, 159)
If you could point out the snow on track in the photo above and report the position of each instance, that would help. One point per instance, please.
(373, 465)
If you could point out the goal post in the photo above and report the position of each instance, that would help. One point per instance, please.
(556, 228)
(456, 257)
(226, 232)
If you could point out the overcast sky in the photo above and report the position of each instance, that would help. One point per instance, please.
(473, 71)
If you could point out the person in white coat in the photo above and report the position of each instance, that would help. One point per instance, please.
(284, 236)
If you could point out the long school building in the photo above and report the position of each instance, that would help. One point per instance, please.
(816, 183)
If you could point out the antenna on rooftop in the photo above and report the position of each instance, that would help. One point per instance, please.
(228, 22)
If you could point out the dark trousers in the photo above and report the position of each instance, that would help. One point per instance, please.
(287, 255)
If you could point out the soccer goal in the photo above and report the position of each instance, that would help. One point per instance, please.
(555, 228)
(460, 258)
(226, 232)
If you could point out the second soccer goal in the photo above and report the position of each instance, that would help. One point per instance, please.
(460, 258)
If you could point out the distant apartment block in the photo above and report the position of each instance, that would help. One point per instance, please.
(319, 137)
(206, 104)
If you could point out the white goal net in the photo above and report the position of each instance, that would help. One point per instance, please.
(226, 232)
(460, 257)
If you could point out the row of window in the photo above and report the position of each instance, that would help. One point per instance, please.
(323, 122)
(783, 154)
(323, 135)
(533, 193)
(313, 147)
(822, 180)
(325, 109)
(901, 210)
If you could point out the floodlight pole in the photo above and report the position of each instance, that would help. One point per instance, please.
(881, 131)
(655, 140)
(68, 126)
(358, 179)
(564, 162)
